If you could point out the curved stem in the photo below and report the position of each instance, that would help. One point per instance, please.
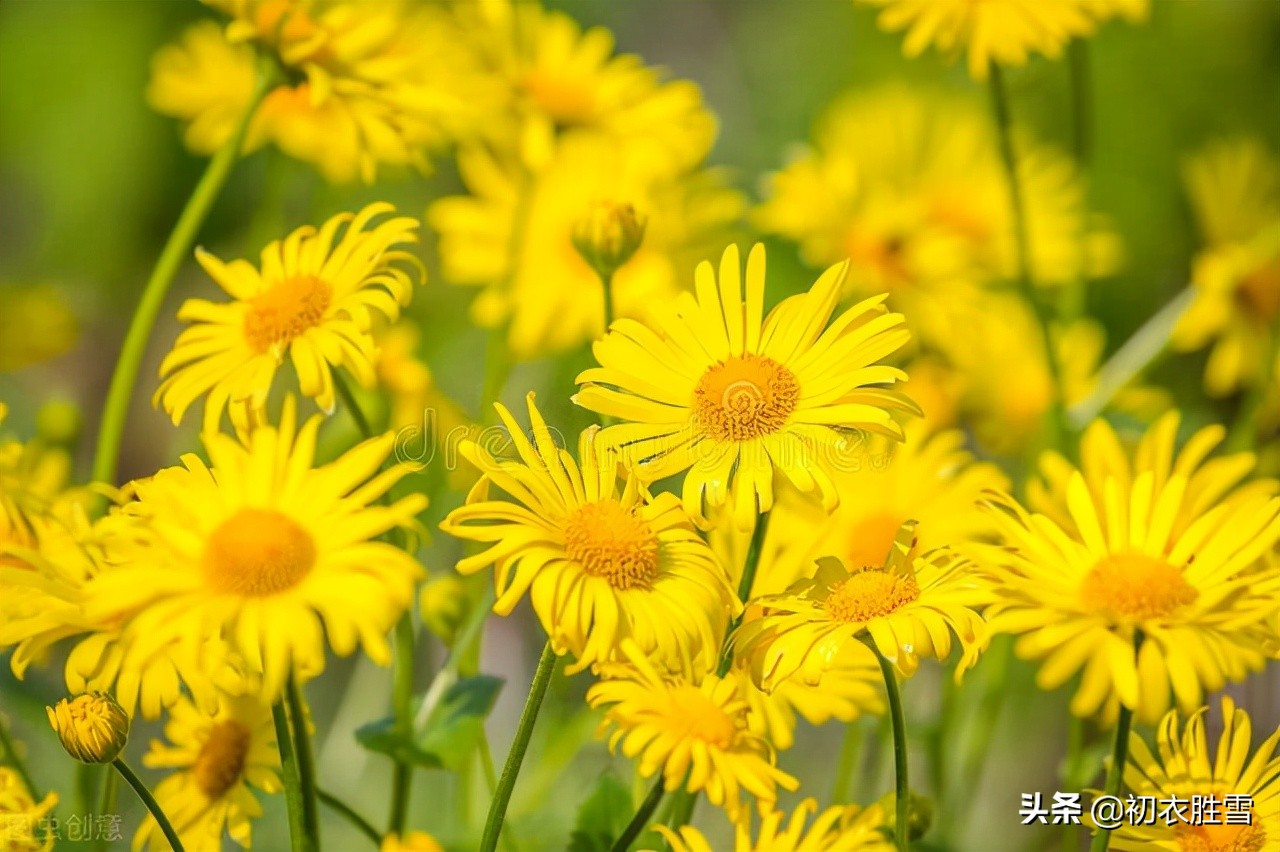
(402, 707)
(1115, 773)
(1017, 208)
(524, 731)
(902, 793)
(150, 801)
(641, 819)
(289, 775)
(349, 814)
(116, 409)
(306, 762)
(15, 760)
(353, 407)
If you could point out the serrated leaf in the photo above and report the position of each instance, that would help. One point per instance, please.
(448, 721)
(602, 817)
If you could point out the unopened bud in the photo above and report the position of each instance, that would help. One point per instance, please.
(919, 814)
(608, 236)
(443, 604)
(93, 727)
(58, 422)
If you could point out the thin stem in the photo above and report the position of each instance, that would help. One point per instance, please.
(682, 808)
(1071, 774)
(150, 801)
(402, 705)
(606, 282)
(289, 774)
(1115, 773)
(115, 411)
(902, 795)
(306, 761)
(644, 814)
(1245, 427)
(1017, 208)
(107, 805)
(15, 761)
(978, 746)
(349, 814)
(524, 731)
(353, 407)
(850, 752)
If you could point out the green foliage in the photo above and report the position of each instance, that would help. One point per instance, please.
(602, 817)
(449, 723)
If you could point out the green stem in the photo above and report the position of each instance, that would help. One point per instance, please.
(106, 805)
(524, 731)
(353, 407)
(606, 282)
(116, 409)
(1056, 421)
(1245, 427)
(289, 775)
(1115, 773)
(978, 746)
(402, 706)
(902, 794)
(682, 809)
(15, 760)
(1071, 775)
(643, 815)
(306, 762)
(850, 752)
(150, 801)
(349, 814)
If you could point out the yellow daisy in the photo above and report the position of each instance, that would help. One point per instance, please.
(843, 828)
(1183, 766)
(514, 233)
(681, 727)
(908, 606)
(414, 841)
(1235, 194)
(218, 760)
(989, 31)
(265, 551)
(1158, 546)
(719, 390)
(602, 565)
(22, 818)
(563, 81)
(314, 299)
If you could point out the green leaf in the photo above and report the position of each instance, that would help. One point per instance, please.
(448, 721)
(602, 817)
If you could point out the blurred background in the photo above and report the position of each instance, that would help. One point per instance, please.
(91, 180)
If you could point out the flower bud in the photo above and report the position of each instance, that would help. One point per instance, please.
(919, 814)
(443, 604)
(92, 726)
(608, 236)
(414, 841)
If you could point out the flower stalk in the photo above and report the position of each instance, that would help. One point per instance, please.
(901, 789)
(150, 801)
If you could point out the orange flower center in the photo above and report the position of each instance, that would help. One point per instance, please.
(745, 397)
(285, 311)
(221, 760)
(870, 593)
(695, 715)
(1221, 838)
(1259, 291)
(1135, 587)
(871, 537)
(258, 552)
(613, 543)
(568, 100)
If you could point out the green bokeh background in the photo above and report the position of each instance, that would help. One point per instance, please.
(91, 181)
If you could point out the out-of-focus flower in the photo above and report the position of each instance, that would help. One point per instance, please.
(22, 818)
(513, 236)
(442, 602)
(607, 236)
(36, 324)
(1150, 543)
(909, 186)
(695, 732)
(1183, 766)
(908, 606)
(218, 760)
(842, 828)
(600, 566)
(1235, 193)
(314, 299)
(413, 841)
(1005, 32)
(266, 552)
(92, 727)
(715, 388)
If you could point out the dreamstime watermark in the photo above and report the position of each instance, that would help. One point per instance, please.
(853, 451)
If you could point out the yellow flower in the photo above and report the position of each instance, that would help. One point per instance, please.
(414, 841)
(909, 607)
(1235, 194)
(989, 31)
(600, 566)
(843, 828)
(716, 389)
(678, 726)
(262, 550)
(514, 233)
(1183, 767)
(21, 817)
(370, 84)
(1155, 545)
(219, 759)
(607, 236)
(36, 324)
(93, 728)
(562, 81)
(314, 299)
(908, 184)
